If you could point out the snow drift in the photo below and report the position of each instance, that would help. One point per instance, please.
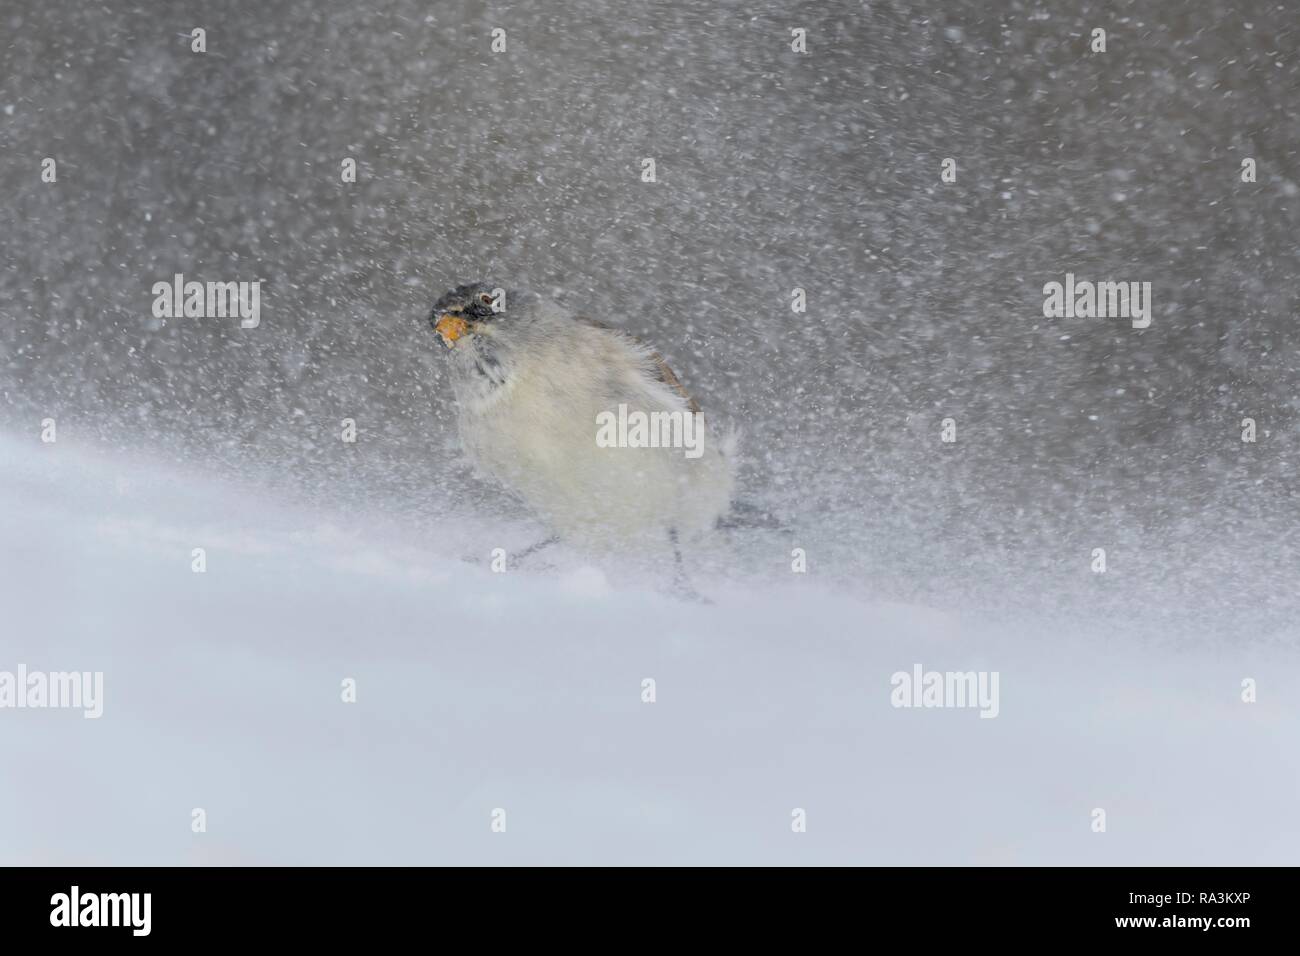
(478, 691)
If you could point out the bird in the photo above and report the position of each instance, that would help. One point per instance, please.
(538, 387)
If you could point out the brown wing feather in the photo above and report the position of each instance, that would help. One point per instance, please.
(666, 374)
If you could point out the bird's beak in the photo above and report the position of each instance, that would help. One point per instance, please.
(451, 327)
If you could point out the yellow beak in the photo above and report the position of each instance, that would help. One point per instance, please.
(451, 327)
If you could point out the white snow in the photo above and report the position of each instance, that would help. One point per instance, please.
(523, 691)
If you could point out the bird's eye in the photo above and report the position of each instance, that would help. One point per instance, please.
(485, 298)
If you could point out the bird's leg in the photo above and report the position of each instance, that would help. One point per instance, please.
(680, 581)
(534, 548)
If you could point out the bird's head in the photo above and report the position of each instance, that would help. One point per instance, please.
(488, 331)
(468, 311)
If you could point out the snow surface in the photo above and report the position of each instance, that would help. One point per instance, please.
(522, 691)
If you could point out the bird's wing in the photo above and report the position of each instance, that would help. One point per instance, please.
(665, 374)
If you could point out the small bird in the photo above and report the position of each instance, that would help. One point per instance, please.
(543, 398)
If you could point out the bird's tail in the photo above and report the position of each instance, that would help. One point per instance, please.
(743, 515)
(747, 516)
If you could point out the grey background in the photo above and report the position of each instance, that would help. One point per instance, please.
(775, 170)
